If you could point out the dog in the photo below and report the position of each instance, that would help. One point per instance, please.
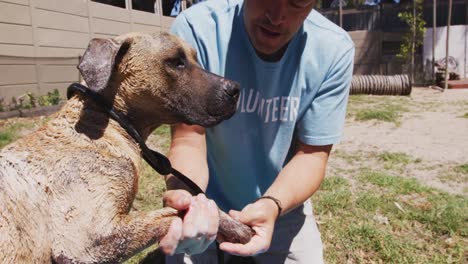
(66, 190)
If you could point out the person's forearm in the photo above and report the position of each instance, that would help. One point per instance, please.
(187, 154)
(301, 177)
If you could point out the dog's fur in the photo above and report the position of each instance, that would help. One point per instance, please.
(66, 190)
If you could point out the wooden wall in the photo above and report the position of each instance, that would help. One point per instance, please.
(42, 40)
(370, 57)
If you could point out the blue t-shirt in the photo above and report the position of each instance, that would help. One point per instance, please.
(302, 97)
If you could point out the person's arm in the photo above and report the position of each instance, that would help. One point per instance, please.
(200, 224)
(187, 154)
(296, 183)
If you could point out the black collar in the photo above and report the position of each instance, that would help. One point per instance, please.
(156, 160)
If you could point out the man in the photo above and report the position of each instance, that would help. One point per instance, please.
(294, 67)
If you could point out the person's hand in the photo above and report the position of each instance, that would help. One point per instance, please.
(261, 216)
(197, 230)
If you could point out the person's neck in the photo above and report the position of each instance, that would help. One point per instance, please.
(273, 57)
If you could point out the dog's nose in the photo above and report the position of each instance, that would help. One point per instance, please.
(232, 89)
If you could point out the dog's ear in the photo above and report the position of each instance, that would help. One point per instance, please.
(98, 61)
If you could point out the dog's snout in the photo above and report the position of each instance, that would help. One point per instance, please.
(232, 89)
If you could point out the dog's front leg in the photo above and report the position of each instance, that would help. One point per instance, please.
(133, 233)
(130, 234)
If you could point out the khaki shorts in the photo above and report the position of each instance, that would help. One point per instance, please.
(296, 240)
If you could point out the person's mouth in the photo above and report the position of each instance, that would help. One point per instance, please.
(272, 34)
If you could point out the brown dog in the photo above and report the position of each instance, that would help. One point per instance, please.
(66, 190)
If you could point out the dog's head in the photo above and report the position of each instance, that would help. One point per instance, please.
(157, 78)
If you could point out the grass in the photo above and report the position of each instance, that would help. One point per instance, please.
(11, 132)
(462, 168)
(396, 184)
(161, 138)
(375, 114)
(421, 224)
(379, 108)
(457, 174)
(396, 160)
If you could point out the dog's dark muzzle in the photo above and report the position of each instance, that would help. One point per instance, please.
(221, 99)
(231, 89)
(208, 100)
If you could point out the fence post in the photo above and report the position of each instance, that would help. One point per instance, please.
(449, 19)
(341, 14)
(434, 28)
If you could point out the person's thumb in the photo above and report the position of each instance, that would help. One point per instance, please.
(177, 199)
(236, 215)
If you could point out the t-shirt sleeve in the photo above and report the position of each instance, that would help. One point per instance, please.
(182, 28)
(323, 121)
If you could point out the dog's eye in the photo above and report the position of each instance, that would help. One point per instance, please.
(178, 63)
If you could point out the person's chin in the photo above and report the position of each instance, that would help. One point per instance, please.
(267, 46)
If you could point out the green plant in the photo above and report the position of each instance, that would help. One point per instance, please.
(414, 38)
(17, 104)
(462, 168)
(30, 100)
(51, 98)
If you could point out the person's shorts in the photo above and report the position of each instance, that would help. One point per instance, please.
(296, 240)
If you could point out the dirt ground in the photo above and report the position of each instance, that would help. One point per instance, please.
(433, 132)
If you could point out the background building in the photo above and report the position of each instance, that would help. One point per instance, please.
(41, 40)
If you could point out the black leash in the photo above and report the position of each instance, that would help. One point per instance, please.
(156, 160)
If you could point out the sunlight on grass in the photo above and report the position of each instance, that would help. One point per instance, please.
(381, 115)
(394, 157)
(369, 201)
(462, 168)
(420, 224)
(380, 108)
(396, 184)
(162, 137)
(164, 131)
(333, 182)
(11, 132)
(446, 214)
(458, 174)
(379, 243)
(396, 160)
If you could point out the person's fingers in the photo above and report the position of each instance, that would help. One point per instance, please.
(195, 221)
(255, 246)
(190, 226)
(236, 215)
(198, 228)
(202, 221)
(177, 199)
(170, 241)
(213, 216)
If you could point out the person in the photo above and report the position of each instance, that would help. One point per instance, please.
(263, 164)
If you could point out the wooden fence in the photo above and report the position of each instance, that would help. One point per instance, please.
(42, 40)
